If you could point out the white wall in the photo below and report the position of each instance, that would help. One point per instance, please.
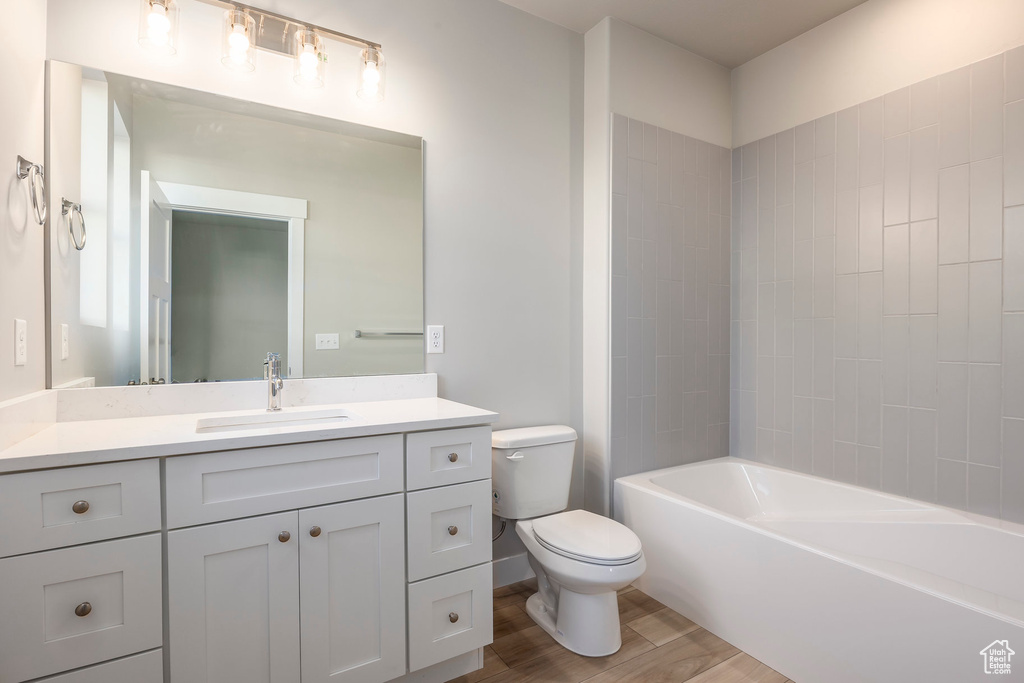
(654, 81)
(22, 37)
(873, 49)
(596, 267)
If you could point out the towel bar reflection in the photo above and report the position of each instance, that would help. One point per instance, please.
(69, 210)
(368, 334)
(37, 186)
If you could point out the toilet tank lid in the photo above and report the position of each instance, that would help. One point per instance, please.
(532, 436)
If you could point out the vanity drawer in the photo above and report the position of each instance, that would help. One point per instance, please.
(450, 615)
(215, 486)
(447, 457)
(448, 528)
(145, 668)
(79, 606)
(62, 507)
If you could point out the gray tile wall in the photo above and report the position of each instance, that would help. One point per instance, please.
(669, 298)
(878, 293)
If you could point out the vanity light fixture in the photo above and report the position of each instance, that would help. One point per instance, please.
(310, 58)
(238, 51)
(300, 41)
(372, 62)
(158, 25)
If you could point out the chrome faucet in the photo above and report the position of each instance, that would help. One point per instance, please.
(275, 383)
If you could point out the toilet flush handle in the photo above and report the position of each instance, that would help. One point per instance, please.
(515, 456)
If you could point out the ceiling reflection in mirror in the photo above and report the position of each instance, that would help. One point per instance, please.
(219, 230)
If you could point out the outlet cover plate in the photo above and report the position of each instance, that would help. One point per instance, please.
(327, 342)
(435, 338)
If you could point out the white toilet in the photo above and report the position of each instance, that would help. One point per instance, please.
(581, 559)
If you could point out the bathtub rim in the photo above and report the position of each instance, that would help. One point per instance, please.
(642, 481)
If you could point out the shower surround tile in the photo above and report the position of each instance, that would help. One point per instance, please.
(877, 238)
(672, 256)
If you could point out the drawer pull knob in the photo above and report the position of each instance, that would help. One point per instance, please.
(315, 531)
(83, 610)
(452, 530)
(80, 507)
(453, 617)
(453, 457)
(284, 536)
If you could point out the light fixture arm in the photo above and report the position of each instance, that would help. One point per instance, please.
(273, 30)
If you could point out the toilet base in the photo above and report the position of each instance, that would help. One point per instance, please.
(586, 624)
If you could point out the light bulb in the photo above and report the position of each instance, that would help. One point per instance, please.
(238, 40)
(372, 64)
(158, 26)
(308, 62)
(371, 76)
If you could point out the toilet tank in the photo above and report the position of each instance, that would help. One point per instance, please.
(531, 469)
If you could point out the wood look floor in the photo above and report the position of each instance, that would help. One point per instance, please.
(658, 646)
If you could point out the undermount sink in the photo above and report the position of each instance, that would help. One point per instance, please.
(265, 419)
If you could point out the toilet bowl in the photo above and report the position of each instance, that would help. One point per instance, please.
(577, 598)
(581, 559)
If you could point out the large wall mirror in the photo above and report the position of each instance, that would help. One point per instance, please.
(193, 234)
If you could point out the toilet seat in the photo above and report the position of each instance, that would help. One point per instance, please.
(585, 537)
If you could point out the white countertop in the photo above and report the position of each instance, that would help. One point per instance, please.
(92, 441)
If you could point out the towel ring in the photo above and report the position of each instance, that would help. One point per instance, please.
(37, 186)
(69, 210)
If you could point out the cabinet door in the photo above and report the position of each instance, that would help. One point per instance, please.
(352, 569)
(233, 606)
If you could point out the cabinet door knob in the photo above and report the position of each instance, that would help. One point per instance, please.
(284, 536)
(452, 457)
(315, 531)
(80, 507)
(83, 610)
(453, 617)
(452, 530)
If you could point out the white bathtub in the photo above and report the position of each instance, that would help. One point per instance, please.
(826, 582)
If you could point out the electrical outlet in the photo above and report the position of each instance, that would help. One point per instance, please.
(327, 342)
(435, 338)
(65, 341)
(20, 342)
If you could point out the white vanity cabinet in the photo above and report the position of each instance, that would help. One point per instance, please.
(235, 586)
(322, 585)
(348, 560)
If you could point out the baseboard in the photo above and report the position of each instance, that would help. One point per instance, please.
(512, 569)
(447, 670)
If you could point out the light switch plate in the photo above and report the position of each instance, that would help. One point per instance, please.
(20, 342)
(327, 342)
(435, 338)
(65, 341)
